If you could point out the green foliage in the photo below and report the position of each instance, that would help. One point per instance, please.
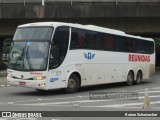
(157, 44)
(157, 41)
(6, 45)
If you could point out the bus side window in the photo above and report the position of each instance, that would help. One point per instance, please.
(131, 45)
(60, 46)
(81, 39)
(105, 42)
(99, 40)
(73, 40)
(78, 38)
(149, 47)
(108, 42)
(90, 39)
(140, 46)
(117, 43)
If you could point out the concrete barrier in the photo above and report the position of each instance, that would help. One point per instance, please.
(3, 73)
(3, 82)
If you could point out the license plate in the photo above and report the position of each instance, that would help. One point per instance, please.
(22, 83)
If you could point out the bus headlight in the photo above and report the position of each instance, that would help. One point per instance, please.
(9, 76)
(39, 78)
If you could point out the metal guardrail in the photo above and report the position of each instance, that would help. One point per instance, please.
(68, 1)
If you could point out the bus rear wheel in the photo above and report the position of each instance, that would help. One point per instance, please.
(138, 78)
(130, 78)
(73, 84)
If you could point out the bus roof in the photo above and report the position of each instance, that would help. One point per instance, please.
(87, 27)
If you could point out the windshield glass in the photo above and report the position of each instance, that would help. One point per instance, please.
(33, 33)
(29, 56)
(29, 50)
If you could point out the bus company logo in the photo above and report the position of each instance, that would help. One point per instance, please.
(53, 79)
(89, 55)
(35, 73)
(29, 43)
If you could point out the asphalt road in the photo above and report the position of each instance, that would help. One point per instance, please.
(26, 99)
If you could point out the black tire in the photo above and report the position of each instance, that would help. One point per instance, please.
(73, 84)
(130, 78)
(138, 78)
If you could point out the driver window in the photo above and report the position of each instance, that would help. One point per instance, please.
(59, 47)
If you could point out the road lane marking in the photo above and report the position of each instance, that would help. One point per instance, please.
(128, 105)
(125, 105)
(39, 99)
(78, 101)
(88, 101)
(64, 98)
(69, 103)
(83, 101)
(66, 102)
(150, 92)
(156, 88)
(144, 89)
(153, 96)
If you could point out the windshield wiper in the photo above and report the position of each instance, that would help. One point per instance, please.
(28, 60)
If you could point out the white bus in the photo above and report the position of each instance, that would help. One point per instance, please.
(53, 55)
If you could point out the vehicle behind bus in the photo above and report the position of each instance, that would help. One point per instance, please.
(6, 48)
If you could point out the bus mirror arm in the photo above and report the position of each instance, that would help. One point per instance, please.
(51, 43)
(12, 44)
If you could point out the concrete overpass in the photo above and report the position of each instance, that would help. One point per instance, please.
(139, 17)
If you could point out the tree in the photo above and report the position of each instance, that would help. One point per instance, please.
(157, 45)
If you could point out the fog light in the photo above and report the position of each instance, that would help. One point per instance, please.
(42, 85)
(9, 75)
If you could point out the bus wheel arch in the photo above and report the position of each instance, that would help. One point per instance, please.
(73, 83)
(130, 77)
(139, 77)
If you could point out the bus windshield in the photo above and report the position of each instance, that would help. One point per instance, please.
(33, 33)
(29, 50)
(28, 56)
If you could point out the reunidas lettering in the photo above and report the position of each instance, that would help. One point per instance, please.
(138, 58)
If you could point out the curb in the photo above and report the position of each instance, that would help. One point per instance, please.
(3, 73)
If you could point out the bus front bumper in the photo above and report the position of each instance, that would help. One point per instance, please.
(36, 84)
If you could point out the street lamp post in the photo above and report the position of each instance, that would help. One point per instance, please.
(42, 2)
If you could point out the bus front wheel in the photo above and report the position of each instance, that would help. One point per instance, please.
(73, 84)
(130, 78)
